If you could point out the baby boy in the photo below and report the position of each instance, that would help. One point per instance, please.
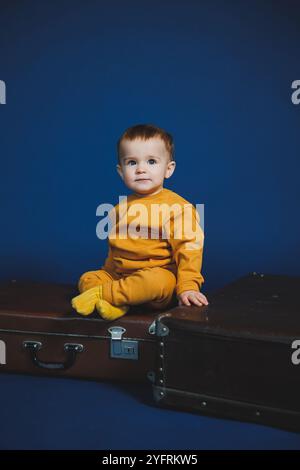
(162, 257)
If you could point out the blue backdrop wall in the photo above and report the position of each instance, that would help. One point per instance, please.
(216, 74)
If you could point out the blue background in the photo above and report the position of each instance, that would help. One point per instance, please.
(49, 413)
(216, 74)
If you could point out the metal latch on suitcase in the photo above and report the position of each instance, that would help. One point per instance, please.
(122, 348)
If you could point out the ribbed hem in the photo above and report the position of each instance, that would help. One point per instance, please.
(187, 286)
(107, 292)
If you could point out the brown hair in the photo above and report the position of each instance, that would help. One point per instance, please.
(145, 132)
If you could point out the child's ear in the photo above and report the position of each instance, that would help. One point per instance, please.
(119, 170)
(170, 169)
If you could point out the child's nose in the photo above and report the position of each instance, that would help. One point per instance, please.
(140, 169)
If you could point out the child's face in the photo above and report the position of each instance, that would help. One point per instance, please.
(144, 165)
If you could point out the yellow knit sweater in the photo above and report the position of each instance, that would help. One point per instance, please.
(160, 230)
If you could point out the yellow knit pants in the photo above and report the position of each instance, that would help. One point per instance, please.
(154, 287)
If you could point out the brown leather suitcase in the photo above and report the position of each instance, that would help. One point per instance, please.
(238, 357)
(41, 334)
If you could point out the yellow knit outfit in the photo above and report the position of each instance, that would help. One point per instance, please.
(161, 257)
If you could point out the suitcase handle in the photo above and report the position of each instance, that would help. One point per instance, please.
(70, 348)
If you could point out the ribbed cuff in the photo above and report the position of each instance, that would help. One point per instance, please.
(107, 292)
(191, 285)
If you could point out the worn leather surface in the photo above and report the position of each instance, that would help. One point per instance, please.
(42, 312)
(233, 357)
(47, 307)
(256, 305)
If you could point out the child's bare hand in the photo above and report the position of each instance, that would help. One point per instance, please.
(190, 297)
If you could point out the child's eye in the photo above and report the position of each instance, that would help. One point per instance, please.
(152, 160)
(130, 161)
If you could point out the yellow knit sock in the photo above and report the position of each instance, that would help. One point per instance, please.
(109, 311)
(85, 303)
